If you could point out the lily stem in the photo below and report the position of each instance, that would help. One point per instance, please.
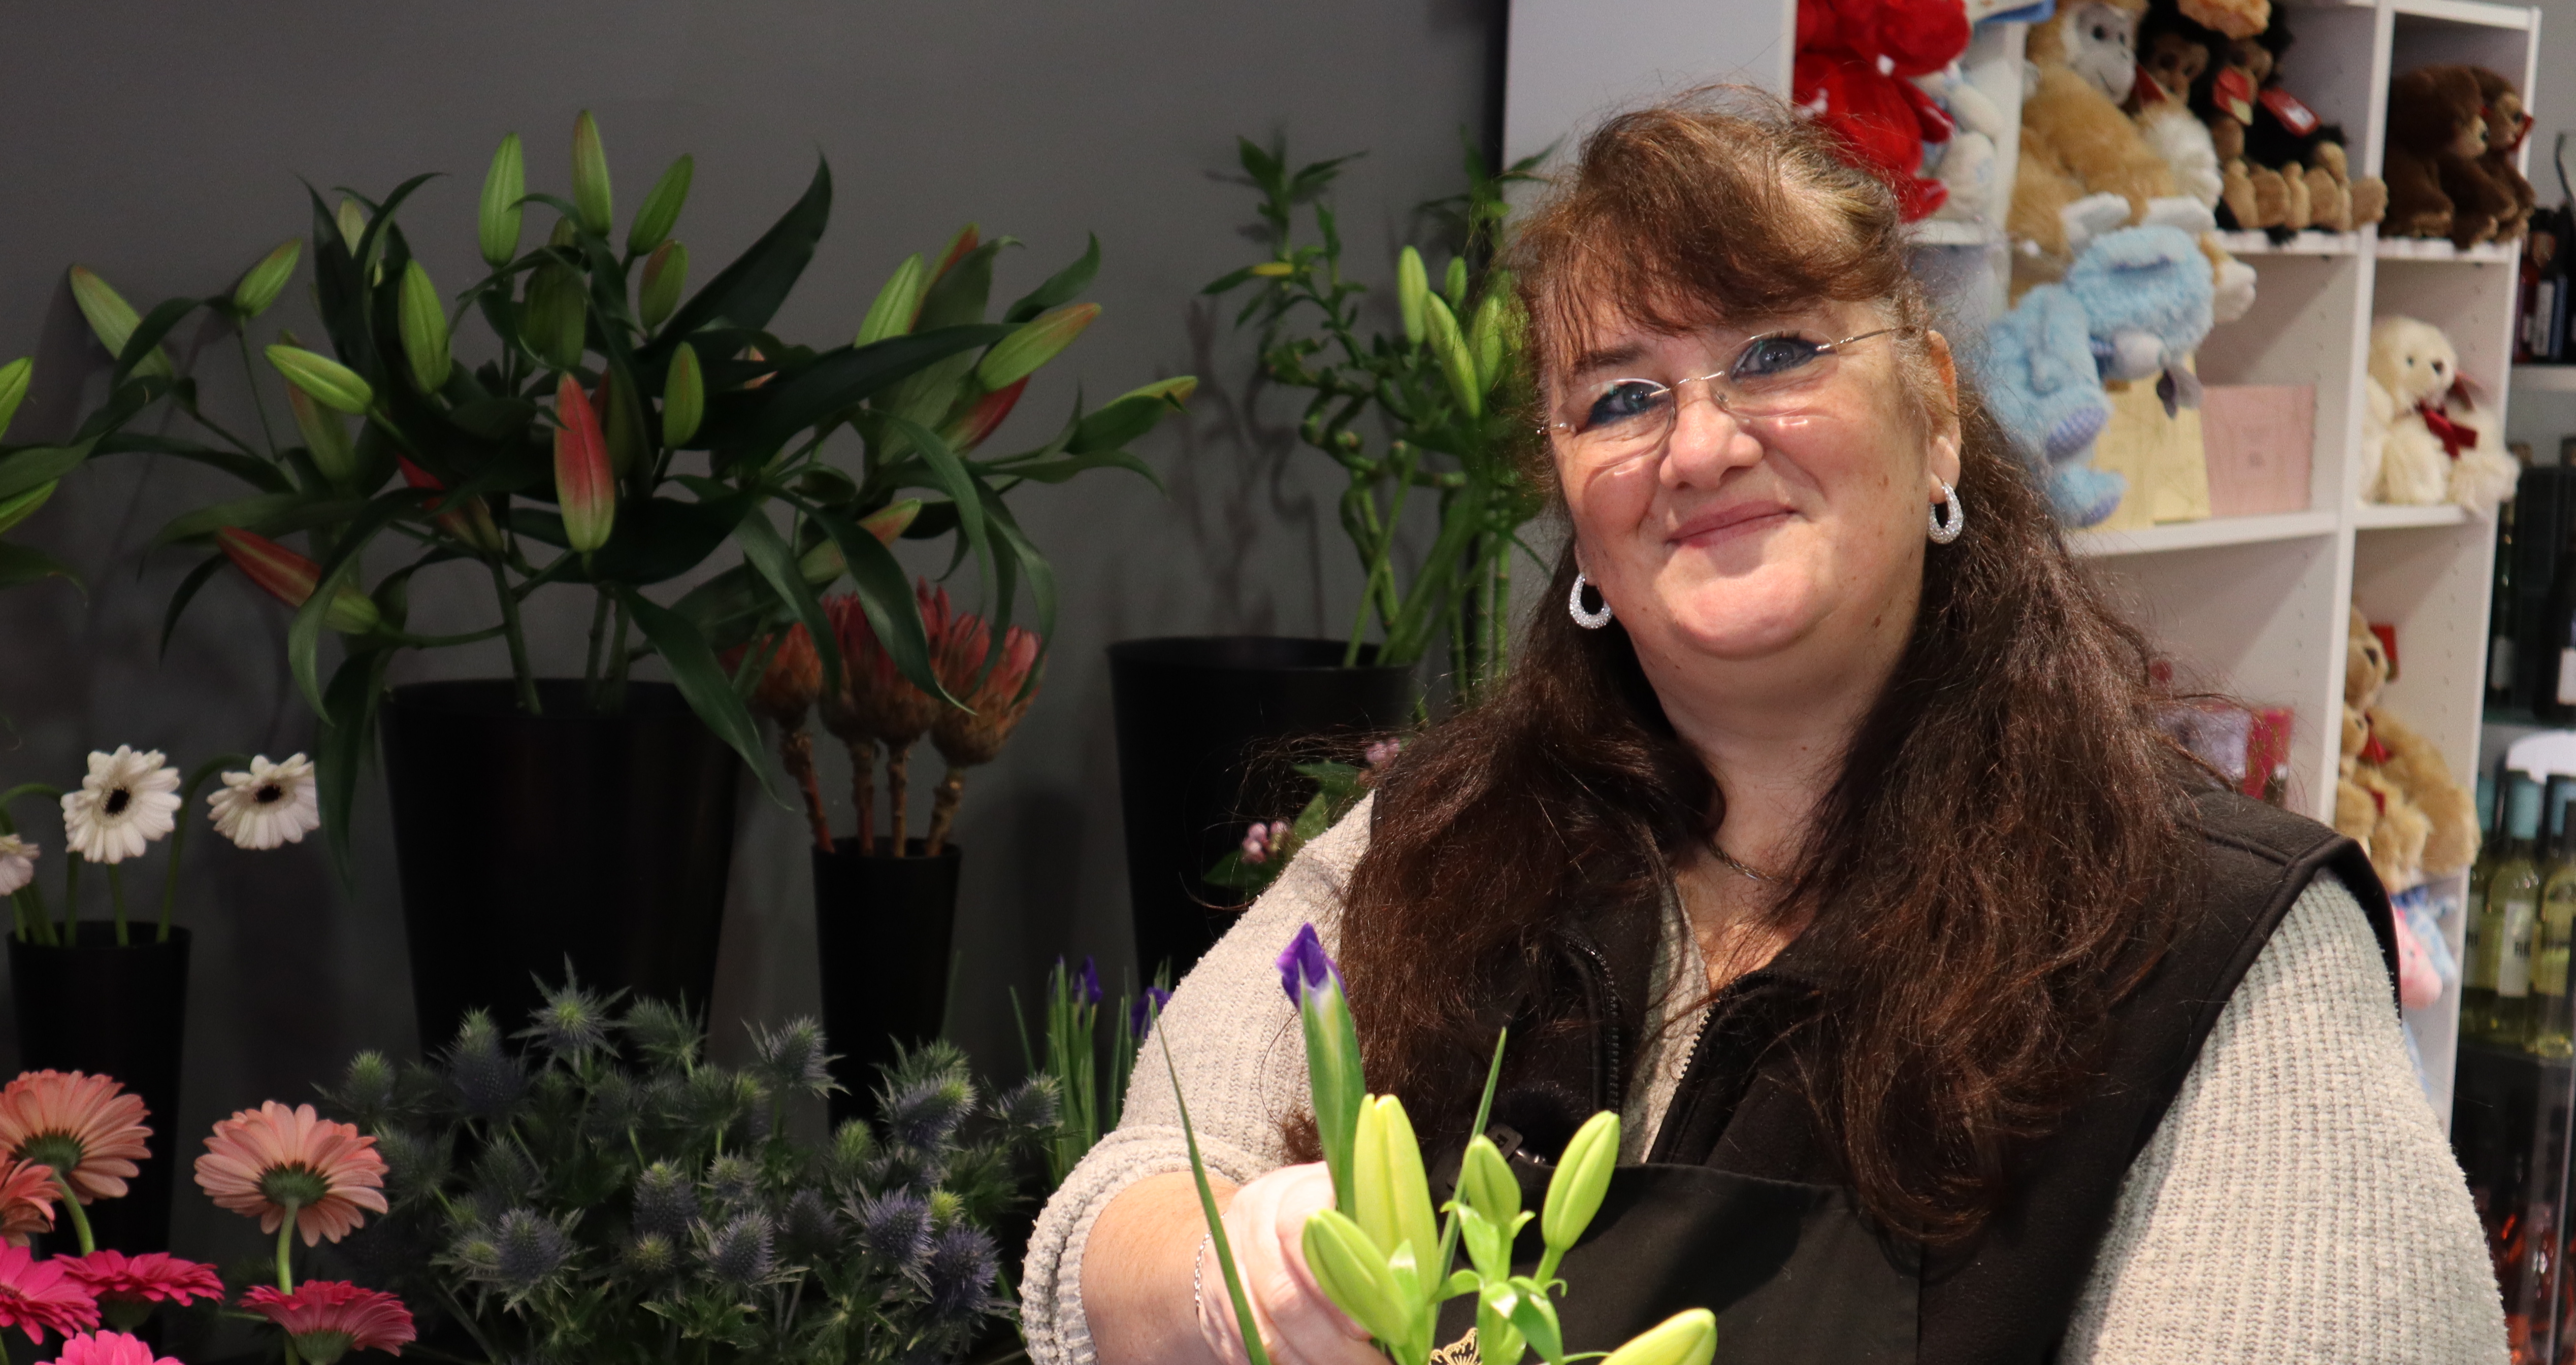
(251, 372)
(518, 639)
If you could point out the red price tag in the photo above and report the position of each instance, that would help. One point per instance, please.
(2235, 94)
(2296, 117)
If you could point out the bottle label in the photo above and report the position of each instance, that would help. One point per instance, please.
(2500, 663)
(2513, 961)
(2549, 965)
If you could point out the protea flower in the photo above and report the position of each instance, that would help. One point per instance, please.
(126, 1287)
(995, 700)
(876, 703)
(128, 800)
(86, 1128)
(788, 688)
(330, 1318)
(37, 1297)
(27, 1195)
(109, 1348)
(276, 1163)
(272, 804)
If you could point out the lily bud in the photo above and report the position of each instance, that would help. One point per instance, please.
(1485, 1182)
(1453, 285)
(1456, 362)
(585, 485)
(897, 303)
(590, 175)
(566, 233)
(555, 322)
(290, 578)
(1582, 1177)
(1688, 1337)
(1412, 285)
(13, 388)
(620, 420)
(497, 224)
(966, 240)
(1387, 1179)
(892, 520)
(684, 397)
(112, 319)
(1485, 339)
(260, 285)
(1273, 270)
(353, 223)
(825, 562)
(979, 420)
(1039, 340)
(324, 438)
(666, 273)
(331, 383)
(1352, 1273)
(424, 330)
(471, 523)
(661, 210)
(1132, 414)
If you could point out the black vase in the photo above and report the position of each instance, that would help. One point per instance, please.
(883, 927)
(1209, 729)
(121, 1012)
(528, 842)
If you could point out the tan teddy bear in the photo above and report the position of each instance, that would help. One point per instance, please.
(2394, 794)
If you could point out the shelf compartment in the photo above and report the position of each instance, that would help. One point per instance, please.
(2467, 12)
(2374, 516)
(2194, 535)
(2544, 379)
(2300, 244)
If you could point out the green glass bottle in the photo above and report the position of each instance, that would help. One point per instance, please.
(2477, 980)
(2551, 1022)
(2512, 912)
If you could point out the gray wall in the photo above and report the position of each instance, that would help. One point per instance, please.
(161, 145)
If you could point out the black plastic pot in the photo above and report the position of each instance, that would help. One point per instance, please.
(524, 842)
(121, 1012)
(1208, 732)
(883, 927)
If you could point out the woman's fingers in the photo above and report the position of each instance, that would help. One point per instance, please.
(1309, 1328)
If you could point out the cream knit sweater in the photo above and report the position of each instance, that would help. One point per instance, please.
(2298, 1203)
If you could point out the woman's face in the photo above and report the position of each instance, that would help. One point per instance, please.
(1741, 540)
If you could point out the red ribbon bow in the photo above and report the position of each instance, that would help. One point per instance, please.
(2454, 436)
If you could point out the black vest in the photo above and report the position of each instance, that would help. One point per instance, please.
(1739, 1207)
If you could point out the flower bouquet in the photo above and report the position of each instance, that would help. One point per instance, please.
(1378, 1252)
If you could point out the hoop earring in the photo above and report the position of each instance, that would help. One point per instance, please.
(1589, 620)
(1946, 528)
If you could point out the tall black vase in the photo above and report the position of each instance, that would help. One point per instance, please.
(883, 927)
(1208, 728)
(121, 1012)
(526, 842)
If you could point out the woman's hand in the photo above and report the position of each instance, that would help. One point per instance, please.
(1266, 1226)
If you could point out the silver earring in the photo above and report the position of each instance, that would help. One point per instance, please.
(1589, 620)
(1946, 528)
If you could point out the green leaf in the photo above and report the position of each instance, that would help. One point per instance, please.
(197, 578)
(769, 554)
(702, 682)
(1057, 471)
(657, 539)
(20, 565)
(1032, 564)
(348, 738)
(258, 473)
(265, 513)
(35, 466)
(831, 384)
(949, 476)
(958, 297)
(148, 333)
(748, 292)
(304, 635)
(885, 596)
(1062, 287)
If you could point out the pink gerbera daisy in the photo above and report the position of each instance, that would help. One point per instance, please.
(127, 1286)
(109, 1348)
(27, 1195)
(263, 1163)
(329, 1318)
(36, 1296)
(85, 1127)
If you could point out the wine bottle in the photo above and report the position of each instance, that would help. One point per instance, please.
(2477, 978)
(2551, 1024)
(2512, 911)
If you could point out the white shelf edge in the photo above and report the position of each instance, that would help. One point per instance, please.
(2194, 535)
(2437, 249)
(2466, 12)
(2300, 244)
(1950, 232)
(2372, 516)
(2544, 379)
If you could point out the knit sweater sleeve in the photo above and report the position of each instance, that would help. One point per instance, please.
(2299, 1201)
(1241, 1060)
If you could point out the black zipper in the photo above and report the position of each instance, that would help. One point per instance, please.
(1615, 1062)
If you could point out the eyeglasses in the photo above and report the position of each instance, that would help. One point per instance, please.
(1777, 375)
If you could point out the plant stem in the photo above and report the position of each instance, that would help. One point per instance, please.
(618, 662)
(863, 794)
(590, 666)
(71, 900)
(796, 750)
(80, 1220)
(251, 372)
(116, 897)
(285, 1240)
(943, 809)
(518, 641)
(899, 788)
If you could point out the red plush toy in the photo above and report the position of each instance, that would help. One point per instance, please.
(1854, 58)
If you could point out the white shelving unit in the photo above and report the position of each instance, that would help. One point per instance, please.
(2253, 606)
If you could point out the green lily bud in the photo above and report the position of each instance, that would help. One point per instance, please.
(260, 285)
(424, 330)
(22, 506)
(497, 225)
(897, 303)
(1352, 1272)
(590, 175)
(324, 438)
(1485, 1182)
(554, 324)
(1688, 1337)
(1412, 285)
(666, 272)
(684, 397)
(112, 319)
(13, 388)
(1039, 340)
(1497, 1341)
(331, 383)
(661, 210)
(1456, 361)
(1582, 1177)
(565, 234)
(353, 224)
(1273, 270)
(1453, 285)
(1387, 1184)
(622, 424)
(1132, 414)
(1485, 339)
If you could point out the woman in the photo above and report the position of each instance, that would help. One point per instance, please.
(1827, 834)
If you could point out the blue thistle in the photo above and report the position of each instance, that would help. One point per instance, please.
(666, 1202)
(530, 1249)
(894, 1227)
(485, 1079)
(663, 1033)
(958, 1274)
(1032, 1104)
(652, 1257)
(811, 1231)
(741, 1254)
(924, 1112)
(733, 1180)
(571, 1022)
(793, 1061)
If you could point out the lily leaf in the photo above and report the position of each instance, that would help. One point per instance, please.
(702, 682)
(770, 556)
(747, 293)
(20, 565)
(1061, 288)
(197, 578)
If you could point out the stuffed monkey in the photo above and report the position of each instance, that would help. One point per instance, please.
(2079, 152)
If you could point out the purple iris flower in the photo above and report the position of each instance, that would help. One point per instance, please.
(1090, 982)
(1141, 1013)
(1305, 969)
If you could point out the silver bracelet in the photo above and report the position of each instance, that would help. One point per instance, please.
(1198, 1267)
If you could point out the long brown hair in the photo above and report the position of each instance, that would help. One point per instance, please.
(2002, 856)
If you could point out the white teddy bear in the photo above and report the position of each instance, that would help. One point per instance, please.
(2424, 440)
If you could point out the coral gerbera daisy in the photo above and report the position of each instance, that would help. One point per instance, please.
(37, 1297)
(109, 1348)
(85, 1127)
(128, 800)
(274, 1161)
(272, 804)
(329, 1318)
(17, 863)
(126, 1287)
(27, 1195)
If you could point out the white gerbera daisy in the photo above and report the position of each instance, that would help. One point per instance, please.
(128, 800)
(272, 804)
(17, 863)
